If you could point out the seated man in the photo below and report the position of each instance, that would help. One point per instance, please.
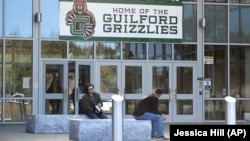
(147, 109)
(91, 103)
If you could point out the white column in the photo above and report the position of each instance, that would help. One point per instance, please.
(117, 117)
(231, 110)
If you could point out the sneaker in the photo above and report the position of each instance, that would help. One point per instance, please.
(162, 139)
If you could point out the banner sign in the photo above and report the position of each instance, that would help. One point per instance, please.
(117, 21)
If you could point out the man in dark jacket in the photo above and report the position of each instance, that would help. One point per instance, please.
(147, 109)
(92, 103)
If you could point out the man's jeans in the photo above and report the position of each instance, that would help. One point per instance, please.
(157, 123)
(97, 116)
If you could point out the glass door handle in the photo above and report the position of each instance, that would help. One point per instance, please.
(174, 94)
(170, 95)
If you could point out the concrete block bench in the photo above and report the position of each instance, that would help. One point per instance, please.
(50, 124)
(101, 130)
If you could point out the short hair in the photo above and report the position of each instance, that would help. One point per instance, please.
(87, 86)
(158, 91)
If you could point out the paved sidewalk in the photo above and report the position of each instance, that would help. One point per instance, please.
(16, 132)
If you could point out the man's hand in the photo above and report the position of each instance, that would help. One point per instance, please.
(163, 116)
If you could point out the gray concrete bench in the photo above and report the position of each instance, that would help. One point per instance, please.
(50, 124)
(101, 130)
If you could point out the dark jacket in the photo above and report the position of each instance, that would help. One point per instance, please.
(88, 105)
(148, 104)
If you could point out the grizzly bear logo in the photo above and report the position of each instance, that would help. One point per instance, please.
(81, 20)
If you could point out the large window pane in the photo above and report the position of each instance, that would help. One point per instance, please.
(190, 22)
(158, 51)
(184, 80)
(239, 71)
(239, 1)
(1, 18)
(81, 50)
(50, 19)
(1, 77)
(216, 1)
(134, 51)
(108, 50)
(242, 107)
(54, 49)
(239, 24)
(18, 72)
(108, 79)
(216, 23)
(133, 79)
(214, 110)
(216, 71)
(160, 77)
(17, 109)
(184, 107)
(185, 52)
(19, 18)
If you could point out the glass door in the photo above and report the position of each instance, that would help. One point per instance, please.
(183, 95)
(55, 86)
(82, 74)
(126, 76)
(178, 83)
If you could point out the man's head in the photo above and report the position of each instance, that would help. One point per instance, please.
(158, 92)
(89, 88)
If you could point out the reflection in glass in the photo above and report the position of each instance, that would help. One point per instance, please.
(54, 78)
(84, 75)
(160, 78)
(217, 70)
(108, 50)
(239, 24)
(240, 1)
(19, 18)
(1, 112)
(242, 107)
(107, 106)
(1, 19)
(217, 1)
(163, 106)
(130, 106)
(158, 51)
(53, 106)
(190, 22)
(54, 85)
(18, 71)
(17, 109)
(54, 49)
(184, 107)
(216, 23)
(134, 51)
(1, 77)
(133, 79)
(108, 79)
(239, 71)
(81, 50)
(184, 80)
(185, 52)
(215, 110)
(50, 19)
